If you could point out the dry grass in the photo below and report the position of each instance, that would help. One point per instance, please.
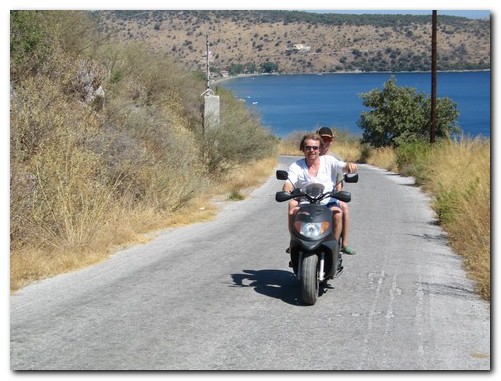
(244, 178)
(288, 147)
(459, 176)
(346, 150)
(130, 227)
(383, 158)
(89, 172)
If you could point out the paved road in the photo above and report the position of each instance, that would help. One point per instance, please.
(220, 296)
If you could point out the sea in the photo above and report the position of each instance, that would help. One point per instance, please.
(289, 103)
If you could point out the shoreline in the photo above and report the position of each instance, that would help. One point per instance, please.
(219, 80)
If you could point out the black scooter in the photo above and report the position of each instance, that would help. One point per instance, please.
(315, 253)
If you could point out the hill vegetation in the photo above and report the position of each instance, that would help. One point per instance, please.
(107, 142)
(303, 42)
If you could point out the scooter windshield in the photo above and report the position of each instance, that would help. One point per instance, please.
(314, 190)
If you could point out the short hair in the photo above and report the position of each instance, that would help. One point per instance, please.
(311, 136)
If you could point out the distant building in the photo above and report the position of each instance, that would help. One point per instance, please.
(301, 48)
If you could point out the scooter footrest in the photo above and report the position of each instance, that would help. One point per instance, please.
(339, 271)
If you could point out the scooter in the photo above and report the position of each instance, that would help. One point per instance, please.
(315, 253)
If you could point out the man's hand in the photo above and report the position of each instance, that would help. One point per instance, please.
(351, 168)
(287, 187)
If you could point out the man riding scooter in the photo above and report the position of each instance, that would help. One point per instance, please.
(320, 169)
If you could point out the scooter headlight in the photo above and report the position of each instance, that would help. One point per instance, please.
(311, 229)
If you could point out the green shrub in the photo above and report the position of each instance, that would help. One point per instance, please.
(412, 158)
(30, 44)
(239, 139)
(399, 115)
(447, 205)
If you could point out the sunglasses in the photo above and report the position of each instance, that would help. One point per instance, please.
(308, 148)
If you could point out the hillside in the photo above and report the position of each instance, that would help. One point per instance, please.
(301, 42)
(107, 142)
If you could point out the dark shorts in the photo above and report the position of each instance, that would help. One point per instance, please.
(332, 203)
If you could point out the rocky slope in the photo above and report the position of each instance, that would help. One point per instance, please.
(302, 42)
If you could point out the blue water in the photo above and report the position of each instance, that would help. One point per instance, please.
(288, 103)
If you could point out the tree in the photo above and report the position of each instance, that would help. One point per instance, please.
(29, 42)
(401, 114)
(235, 69)
(269, 67)
(250, 67)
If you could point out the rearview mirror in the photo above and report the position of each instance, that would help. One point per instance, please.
(351, 177)
(282, 175)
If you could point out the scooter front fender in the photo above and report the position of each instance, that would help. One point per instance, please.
(312, 246)
(301, 248)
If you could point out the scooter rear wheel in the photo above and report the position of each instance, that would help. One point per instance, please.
(309, 279)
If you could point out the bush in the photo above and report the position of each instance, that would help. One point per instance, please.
(412, 157)
(30, 44)
(77, 164)
(401, 114)
(239, 139)
(59, 192)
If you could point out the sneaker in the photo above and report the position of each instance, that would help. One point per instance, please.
(348, 250)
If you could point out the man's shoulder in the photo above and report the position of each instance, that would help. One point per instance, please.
(298, 163)
(330, 158)
(333, 162)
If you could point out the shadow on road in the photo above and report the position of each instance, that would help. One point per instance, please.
(277, 284)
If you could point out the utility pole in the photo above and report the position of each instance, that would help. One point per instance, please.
(433, 126)
(207, 58)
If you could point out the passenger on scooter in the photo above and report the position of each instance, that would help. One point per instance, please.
(327, 137)
(319, 169)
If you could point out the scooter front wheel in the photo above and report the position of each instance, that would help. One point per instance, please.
(309, 279)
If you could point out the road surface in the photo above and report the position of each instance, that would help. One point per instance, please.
(219, 296)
